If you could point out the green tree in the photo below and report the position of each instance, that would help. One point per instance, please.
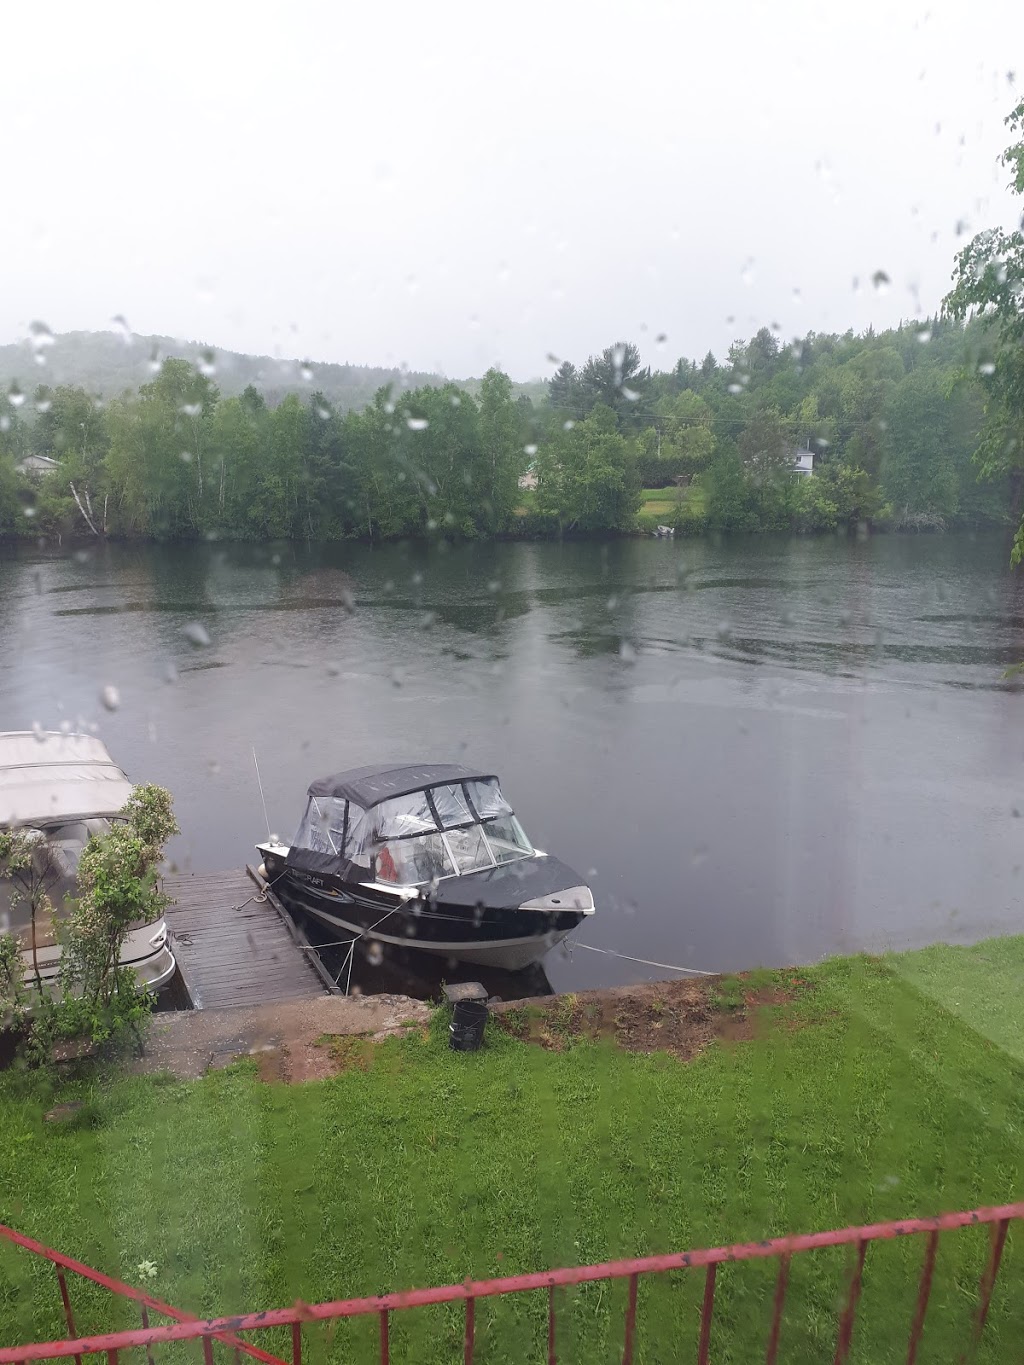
(988, 283)
(587, 477)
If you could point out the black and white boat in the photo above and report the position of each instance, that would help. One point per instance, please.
(429, 857)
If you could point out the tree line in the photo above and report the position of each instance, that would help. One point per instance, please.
(893, 420)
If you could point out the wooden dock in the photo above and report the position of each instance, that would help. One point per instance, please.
(232, 949)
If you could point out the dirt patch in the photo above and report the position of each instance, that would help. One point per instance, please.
(286, 1040)
(680, 1017)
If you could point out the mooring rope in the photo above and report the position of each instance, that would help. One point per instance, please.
(665, 966)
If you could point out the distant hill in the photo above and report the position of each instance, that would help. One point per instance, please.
(106, 363)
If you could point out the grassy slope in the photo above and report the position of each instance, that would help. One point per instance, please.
(865, 1100)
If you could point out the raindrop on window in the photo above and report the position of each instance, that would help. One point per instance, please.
(110, 697)
(122, 329)
(747, 273)
(155, 362)
(43, 404)
(986, 368)
(191, 409)
(455, 400)
(881, 281)
(306, 371)
(170, 673)
(661, 339)
(207, 364)
(196, 633)
(627, 652)
(417, 423)
(630, 395)
(185, 457)
(568, 424)
(14, 395)
(552, 359)
(924, 335)
(323, 413)
(40, 338)
(39, 732)
(530, 449)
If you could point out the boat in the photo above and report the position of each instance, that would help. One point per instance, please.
(664, 532)
(426, 856)
(65, 788)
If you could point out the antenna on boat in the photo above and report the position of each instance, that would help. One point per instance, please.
(262, 797)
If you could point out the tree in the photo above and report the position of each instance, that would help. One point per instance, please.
(615, 379)
(502, 449)
(27, 862)
(988, 282)
(565, 393)
(766, 443)
(587, 476)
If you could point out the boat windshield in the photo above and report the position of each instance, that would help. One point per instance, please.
(442, 831)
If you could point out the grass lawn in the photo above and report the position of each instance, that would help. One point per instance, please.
(662, 502)
(861, 1098)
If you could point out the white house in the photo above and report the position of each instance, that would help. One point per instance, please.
(803, 461)
(36, 465)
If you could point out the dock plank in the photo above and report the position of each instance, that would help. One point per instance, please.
(231, 948)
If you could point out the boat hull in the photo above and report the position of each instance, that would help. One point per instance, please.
(455, 922)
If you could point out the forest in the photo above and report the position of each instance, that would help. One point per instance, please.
(892, 418)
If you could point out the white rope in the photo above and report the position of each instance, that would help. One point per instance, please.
(665, 966)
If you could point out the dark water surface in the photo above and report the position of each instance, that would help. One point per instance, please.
(757, 751)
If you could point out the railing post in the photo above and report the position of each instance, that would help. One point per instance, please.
(69, 1317)
(467, 1354)
(781, 1285)
(627, 1352)
(988, 1280)
(207, 1350)
(145, 1324)
(707, 1308)
(551, 1325)
(923, 1295)
(296, 1343)
(850, 1311)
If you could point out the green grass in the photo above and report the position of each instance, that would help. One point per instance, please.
(662, 502)
(866, 1099)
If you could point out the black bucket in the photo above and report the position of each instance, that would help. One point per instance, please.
(466, 1031)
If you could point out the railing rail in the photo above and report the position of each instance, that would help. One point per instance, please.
(186, 1327)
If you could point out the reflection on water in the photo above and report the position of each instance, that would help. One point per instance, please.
(755, 750)
(403, 971)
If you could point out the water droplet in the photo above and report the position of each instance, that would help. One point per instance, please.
(155, 362)
(530, 450)
(881, 281)
(122, 329)
(389, 407)
(191, 409)
(747, 273)
(618, 355)
(735, 388)
(15, 396)
(661, 339)
(924, 335)
(627, 652)
(724, 631)
(630, 395)
(185, 457)
(306, 371)
(552, 359)
(962, 226)
(417, 423)
(699, 855)
(613, 602)
(323, 413)
(374, 953)
(110, 697)
(196, 633)
(30, 512)
(397, 677)
(568, 424)
(39, 732)
(494, 585)
(5, 422)
(986, 368)
(43, 404)
(39, 338)
(207, 364)
(455, 400)
(170, 673)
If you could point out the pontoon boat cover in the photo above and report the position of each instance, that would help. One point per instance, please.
(49, 778)
(367, 786)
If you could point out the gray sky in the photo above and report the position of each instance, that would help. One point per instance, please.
(453, 185)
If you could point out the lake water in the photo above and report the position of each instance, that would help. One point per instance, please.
(757, 751)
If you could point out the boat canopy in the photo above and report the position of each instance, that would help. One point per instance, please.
(49, 778)
(368, 786)
(453, 822)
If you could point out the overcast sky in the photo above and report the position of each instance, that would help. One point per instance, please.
(454, 185)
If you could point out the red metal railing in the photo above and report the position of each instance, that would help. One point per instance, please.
(186, 1328)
